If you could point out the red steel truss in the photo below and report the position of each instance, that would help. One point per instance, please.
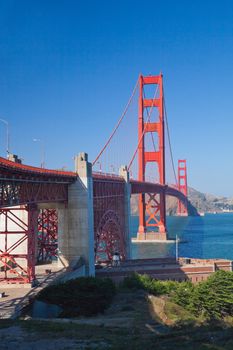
(47, 235)
(17, 234)
(24, 232)
(182, 187)
(23, 184)
(109, 217)
(14, 193)
(152, 210)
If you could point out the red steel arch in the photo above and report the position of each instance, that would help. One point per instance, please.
(109, 216)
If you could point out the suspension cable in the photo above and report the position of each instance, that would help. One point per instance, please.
(117, 125)
(169, 139)
(147, 121)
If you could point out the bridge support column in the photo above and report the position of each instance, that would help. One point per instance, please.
(182, 209)
(151, 206)
(75, 222)
(32, 232)
(125, 174)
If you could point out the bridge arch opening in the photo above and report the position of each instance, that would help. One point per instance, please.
(109, 237)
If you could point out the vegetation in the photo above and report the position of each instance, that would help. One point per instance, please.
(210, 299)
(145, 314)
(82, 296)
(151, 285)
(87, 337)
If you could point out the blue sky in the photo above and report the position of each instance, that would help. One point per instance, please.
(67, 69)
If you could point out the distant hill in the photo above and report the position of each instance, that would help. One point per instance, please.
(203, 202)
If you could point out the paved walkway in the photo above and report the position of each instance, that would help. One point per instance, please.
(18, 296)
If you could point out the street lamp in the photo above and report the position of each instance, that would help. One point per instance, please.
(42, 152)
(100, 166)
(7, 136)
(177, 248)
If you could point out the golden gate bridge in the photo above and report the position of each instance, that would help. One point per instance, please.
(87, 213)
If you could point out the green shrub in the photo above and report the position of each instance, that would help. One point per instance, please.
(212, 298)
(151, 285)
(183, 295)
(133, 282)
(82, 296)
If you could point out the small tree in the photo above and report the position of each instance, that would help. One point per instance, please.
(214, 297)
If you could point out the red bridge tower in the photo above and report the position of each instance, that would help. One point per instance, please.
(152, 208)
(182, 187)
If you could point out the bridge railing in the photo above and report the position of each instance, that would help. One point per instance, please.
(101, 174)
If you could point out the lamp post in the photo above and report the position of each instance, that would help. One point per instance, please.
(7, 136)
(42, 152)
(177, 252)
(100, 166)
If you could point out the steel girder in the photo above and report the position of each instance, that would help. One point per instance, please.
(23, 184)
(47, 235)
(17, 234)
(16, 193)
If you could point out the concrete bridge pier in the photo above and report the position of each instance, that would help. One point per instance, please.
(75, 221)
(125, 174)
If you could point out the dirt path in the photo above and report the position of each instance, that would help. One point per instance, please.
(157, 306)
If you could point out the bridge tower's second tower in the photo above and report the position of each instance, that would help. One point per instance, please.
(182, 209)
(152, 208)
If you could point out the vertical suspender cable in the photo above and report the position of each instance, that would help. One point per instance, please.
(118, 124)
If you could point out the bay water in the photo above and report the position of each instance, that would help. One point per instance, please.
(209, 236)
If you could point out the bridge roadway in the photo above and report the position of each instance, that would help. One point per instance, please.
(24, 184)
(93, 208)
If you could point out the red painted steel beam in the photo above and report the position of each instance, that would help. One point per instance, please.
(22, 168)
(16, 193)
(18, 267)
(151, 102)
(151, 79)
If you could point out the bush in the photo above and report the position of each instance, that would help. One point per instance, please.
(151, 285)
(212, 298)
(183, 295)
(82, 296)
(133, 282)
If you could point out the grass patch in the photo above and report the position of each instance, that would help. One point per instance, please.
(177, 313)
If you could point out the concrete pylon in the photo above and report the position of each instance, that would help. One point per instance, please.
(123, 171)
(75, 222)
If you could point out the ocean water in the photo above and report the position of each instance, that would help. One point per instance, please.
(209, 236)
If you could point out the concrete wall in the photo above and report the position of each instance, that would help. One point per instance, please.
(125, 174)
(75, 222)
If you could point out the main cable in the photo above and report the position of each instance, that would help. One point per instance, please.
(169, 139)
(148, 119)
(117, 125)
